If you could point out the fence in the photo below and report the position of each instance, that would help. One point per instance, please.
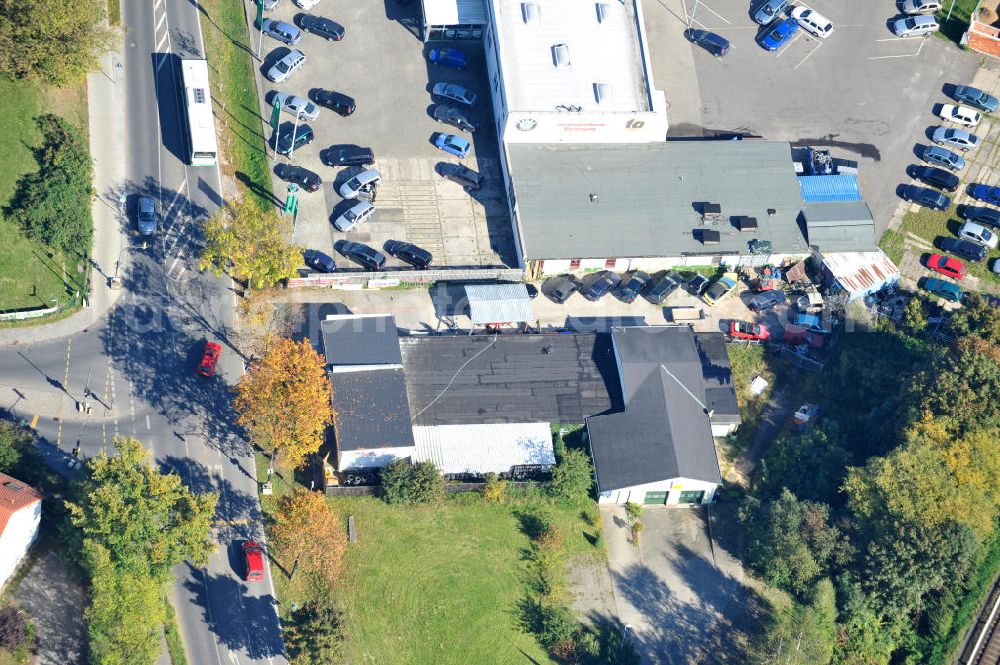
(22, 314)
(450, 488)
(388, 279)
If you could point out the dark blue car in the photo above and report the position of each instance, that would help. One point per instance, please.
(711, 42)
(987, 194)
(779, 34)
(449, 57)
(976, 97)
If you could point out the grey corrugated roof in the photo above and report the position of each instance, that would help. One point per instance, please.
(720, 393)
(498, 303)
(516, 379)
(370, 409)
(360, 340)
(647, 195)
(663, 432)
(842, 226)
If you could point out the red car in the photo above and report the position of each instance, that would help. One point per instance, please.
(253, 553)
(796, 336)
(209, 359)
(747, 330)
(947, 265)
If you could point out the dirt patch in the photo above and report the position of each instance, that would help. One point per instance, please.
(592, 595)
(55, 602)
(70, 102)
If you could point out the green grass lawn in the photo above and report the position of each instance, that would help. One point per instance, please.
(929, 224)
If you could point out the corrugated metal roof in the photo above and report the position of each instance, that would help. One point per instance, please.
(828, 188)
(859, 273)
(454, 12)
(499, 303)
(841, 226)
(483, 448)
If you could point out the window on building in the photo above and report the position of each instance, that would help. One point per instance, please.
(610, 263)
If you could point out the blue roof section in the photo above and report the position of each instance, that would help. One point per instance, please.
(829, 188)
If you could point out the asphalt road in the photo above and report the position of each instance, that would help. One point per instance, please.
(136, 368)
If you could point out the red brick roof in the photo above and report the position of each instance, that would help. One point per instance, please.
(14, 496)
(984, 38)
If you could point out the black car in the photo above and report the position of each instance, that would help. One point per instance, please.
(980, 215)
(417, 257)
(696, 285)
(347, 155)
(560, 288)
(966, 249)
(281, 140)
(319, 261)
(463, 175)
(925, 197)
(935, 177)
(302, 177)
(599, 284)
(766, 300)
(711, 42)
(335, 101)
(662, 286)
(323, 27)
(631, 284)
(454, 117)
(361, 254)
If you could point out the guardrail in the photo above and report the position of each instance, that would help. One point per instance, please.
(390, 279)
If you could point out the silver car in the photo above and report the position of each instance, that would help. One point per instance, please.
(364, 180)
(296, 105)
(915, 26)
(354, 217)
(955, 138)
(147, 216)
(287, 66)
(454, 92)
(945, 158)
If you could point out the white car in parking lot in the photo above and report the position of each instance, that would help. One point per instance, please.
(296, 105)
(961, 115)
(921, 6)
(287, 66)
(915, 26)
(307, 4)
(978, 233)
(812, 21)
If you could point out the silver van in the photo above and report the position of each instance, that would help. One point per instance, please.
(287, 66)
(364, 180)
(915, 26)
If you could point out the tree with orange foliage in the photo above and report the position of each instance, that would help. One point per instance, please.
(284, 401)
(308, 534)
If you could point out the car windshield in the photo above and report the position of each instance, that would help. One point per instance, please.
(282, 66)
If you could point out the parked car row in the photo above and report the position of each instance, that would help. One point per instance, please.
(782, 21)
(368, 257)
(627, 287)
(918, 18)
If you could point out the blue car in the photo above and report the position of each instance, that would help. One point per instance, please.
(453, 145)
(449, 57)
(976, 97)
(779, 33)
(944, 289)
(987, 194)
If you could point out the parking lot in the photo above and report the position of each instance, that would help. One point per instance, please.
(382, 64)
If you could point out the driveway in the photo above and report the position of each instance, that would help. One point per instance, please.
(684, 596)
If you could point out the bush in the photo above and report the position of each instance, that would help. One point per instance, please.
(315, 633)
(403, 482)
(12, 440)
(557, 626)
(573, 477)
(495, 490)
(13, 628)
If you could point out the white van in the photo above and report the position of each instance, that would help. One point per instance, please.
(812, 21)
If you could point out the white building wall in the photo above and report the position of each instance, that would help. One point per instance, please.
(582, 127)
(720, 431)
(371, 459)
(674, 487)
(653, 263)
(17, 537)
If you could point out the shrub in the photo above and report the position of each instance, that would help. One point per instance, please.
(558, 626)
(12, 441)
(13, 628)
(407, 483)
(573, 477)
(495, 490)
(315, 633)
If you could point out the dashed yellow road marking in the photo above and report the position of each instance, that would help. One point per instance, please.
(69, 347)
(34, 422)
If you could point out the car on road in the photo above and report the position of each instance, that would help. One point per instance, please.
(978, 233)
(209, 359)
(455, 93)
(449, 57)
(347, 155)
(711, 42)
(769, 10)
(766, 300)
(925, 196)
(779, 33)
(286, 33)
(968, 250)
(463, 175)
(939, 156)
(947, 266)
(749, 331)
(921, 6)
(454, 117)
(986, 193)
(360, 253)
(915, 26)
(944, 289)
(355, 216)
(452, 144)
(296, 105)
(599, 284)
(560, 288)
(935, 177)
(322, 27)
(631, 284)
(662, 286)
(359, 183)
(975, 98)
(961, 115)
(812, 21)
(299, 175)
(980, 215)
(292, 62)
(722, 286)
(407, 252)
(955, 138)
(253, 559)
(335, 101)
(147, 219)
(319, 261)
(282, 140)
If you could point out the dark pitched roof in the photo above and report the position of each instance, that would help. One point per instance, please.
(370, 409)
(360, 340)
(515, 379)
(663, 433)
(720, 393)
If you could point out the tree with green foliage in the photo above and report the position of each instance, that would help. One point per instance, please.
(12, 440)
(403, 482)
(810, 463)
(53, 203)
(964, 385)
(864, 636)
(315, 632)
(53, 42)
(802, 634)
(573, 477)
(914, 317)
(977, 318)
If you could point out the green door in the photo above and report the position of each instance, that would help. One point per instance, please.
(655, 498)
(691, 497)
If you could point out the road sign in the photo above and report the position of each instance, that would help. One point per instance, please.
(292, 200)
(275, 114)
(260, 13)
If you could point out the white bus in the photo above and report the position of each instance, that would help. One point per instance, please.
(200, 126)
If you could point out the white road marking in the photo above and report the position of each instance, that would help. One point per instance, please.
(702, 4)
(148, 426)
(808, 55)
(788, 45)
(156, 28)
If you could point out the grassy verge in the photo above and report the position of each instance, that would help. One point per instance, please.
(929, 224)
(114, 12)
(175, 645)
(892, 245)
(954, 27)
(237, 110)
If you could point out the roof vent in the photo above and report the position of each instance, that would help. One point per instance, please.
(560, 55)
(602, 11)
(602, 91)
(13, 486)
(745, 224)
(708, 237)
(594, 197)
(711, 213)
(529, 12)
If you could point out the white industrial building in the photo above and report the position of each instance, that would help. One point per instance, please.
(20, 517)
